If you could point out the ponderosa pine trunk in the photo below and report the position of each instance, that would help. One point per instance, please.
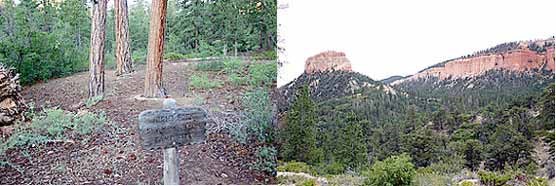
(153, 77)
(96, 54)
(123, 52)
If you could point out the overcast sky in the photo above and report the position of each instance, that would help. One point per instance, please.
(386, 38)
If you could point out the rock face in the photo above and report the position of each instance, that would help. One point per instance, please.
(327, 61)
(523, 57)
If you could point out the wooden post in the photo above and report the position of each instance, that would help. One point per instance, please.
(171, 162)
(170, 128)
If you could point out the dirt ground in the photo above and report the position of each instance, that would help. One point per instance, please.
(113, 155)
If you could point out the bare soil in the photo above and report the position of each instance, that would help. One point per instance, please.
(113, 154)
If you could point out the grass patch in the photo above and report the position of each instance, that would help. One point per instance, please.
(52, 124)
(214, 66)
(93, 101)
(172, 56)
(262, 74)
(202, 82)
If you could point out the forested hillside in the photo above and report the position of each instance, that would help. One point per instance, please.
(494, 128)
(49, 39)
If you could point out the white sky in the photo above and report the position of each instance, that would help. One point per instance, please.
(386, 38)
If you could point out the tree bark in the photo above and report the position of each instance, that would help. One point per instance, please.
(153, 77)
(96, 54)
(123, 52)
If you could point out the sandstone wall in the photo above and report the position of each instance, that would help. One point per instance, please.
(327, 61)
(516, 60)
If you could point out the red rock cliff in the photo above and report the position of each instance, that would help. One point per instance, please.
(520, 59)
(327, 61)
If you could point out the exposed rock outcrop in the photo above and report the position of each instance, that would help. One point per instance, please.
(521, 57)
(327, 61)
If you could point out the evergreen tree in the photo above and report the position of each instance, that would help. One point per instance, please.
(472, 154)
(300, 131)
(352, 149)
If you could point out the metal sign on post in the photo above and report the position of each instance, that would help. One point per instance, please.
(170, 128)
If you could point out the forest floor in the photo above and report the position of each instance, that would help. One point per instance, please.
(113, 154)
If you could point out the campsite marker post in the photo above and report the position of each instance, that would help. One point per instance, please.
(170, 128)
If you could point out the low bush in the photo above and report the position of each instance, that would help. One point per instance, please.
(266, 160)
(395, 170)
(494, 179)
(267, 55)
(431, 179)
(232, 66)
(53, 124)
(299, 167)
(537, 182)
(262, 74)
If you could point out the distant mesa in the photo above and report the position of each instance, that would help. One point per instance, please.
(327, 61)
(515, 56)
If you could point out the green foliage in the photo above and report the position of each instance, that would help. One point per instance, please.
(262, 74)
(334, 168)
(300, 131)
(546, 102)
(258, 114)
(93, 101)
(395, 170)
(494, 179)
(467, 183)
(53, 124)
(237, 79)
(351, 149)
(507, 146)
(210, 66)
(203, 82)
(232, 66)
(537, 182)
(46, 42)
(431, 179)
(266, 160)
(172, 56)
(425, 147)
(268, 55)
(309, 183)
(294, 166)
(472, 153)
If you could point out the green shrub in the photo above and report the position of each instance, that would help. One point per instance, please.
(237, 80)
(431, 179)
(139, 57)
(93, 101)
(53, 124)
(172, 56)
(467, 183)
(232, 66)
(262, 74)
(345, 179)
(266, 160)
(334, 168)
(256, 124)
(298, 167)
(537, 182)
(393, 171)
(268, 55)
(210, 66)
(494, 179)
(203, 82)
(308, 183)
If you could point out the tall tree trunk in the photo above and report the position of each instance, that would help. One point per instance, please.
(123, 53)
(96, 54)
(153, 78)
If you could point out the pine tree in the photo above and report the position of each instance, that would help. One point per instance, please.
(352, 149)
(472, 153)
(299, 134)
